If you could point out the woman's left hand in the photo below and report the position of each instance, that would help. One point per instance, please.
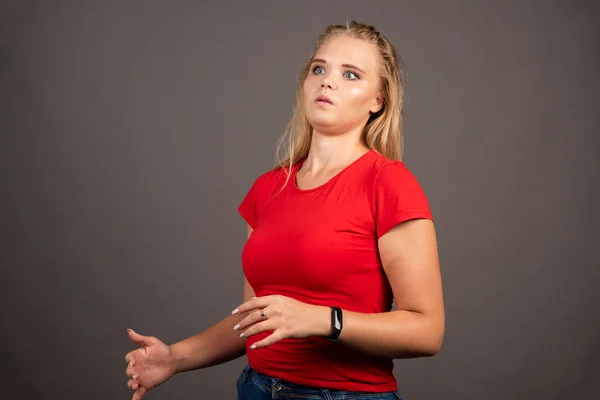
(286, 317)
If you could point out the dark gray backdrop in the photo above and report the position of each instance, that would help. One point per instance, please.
(130, 132)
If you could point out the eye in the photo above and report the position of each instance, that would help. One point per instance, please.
(351, 75)
(318, 70)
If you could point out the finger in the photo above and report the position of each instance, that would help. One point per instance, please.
(139, 394)
(242, 308)
(269, 340)
(250, 319)
(129, 358)
(259, 327)
(253, 303)
(140, 339)
(133, 384)
(130, 372)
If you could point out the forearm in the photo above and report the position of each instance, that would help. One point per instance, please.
(394, 334)
(216, 345)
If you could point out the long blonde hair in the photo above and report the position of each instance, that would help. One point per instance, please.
(383, 131)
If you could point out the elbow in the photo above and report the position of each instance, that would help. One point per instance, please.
(434, 342)
(430, 341)
(420, 350)
(424, 340)
(424, 348)
(431, 349)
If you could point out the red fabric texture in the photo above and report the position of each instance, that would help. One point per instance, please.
(319, 246)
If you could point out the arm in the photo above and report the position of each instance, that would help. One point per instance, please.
(416, 328)
(216, 345)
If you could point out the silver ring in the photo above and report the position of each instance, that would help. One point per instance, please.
(262, 315)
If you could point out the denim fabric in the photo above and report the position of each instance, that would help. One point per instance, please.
(252, 385)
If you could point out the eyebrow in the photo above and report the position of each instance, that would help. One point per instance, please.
(320, 60)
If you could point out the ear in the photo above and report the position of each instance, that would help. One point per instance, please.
(377, 104)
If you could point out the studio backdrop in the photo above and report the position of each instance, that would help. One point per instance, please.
(130, 132)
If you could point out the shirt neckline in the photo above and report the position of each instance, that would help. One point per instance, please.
(330, 181)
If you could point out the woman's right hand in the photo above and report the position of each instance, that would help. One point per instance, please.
(148, 366)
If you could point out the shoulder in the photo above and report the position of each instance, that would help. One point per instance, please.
(397, 195)
(270, 176)
(268, 183)
(394, 183)
(390, 172)
(262, 189)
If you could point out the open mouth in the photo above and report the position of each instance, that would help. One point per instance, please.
(324, 99)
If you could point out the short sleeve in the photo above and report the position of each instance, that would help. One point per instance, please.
(247, 208)
(398, 197)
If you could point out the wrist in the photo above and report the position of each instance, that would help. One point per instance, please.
(178, 359)
(322, 321)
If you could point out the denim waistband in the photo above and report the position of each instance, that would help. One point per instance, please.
(281, 389)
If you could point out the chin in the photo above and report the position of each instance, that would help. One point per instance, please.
(323, 125)
(322, 121)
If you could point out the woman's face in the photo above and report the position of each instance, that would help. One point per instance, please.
(342, 87)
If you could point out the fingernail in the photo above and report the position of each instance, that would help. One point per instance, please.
(253, 347)
(237, 310)
(242, 335)
(235, 328)
(129, 330)
(134, 377)
(131, 363)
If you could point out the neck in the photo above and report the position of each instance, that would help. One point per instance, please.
(332, 152)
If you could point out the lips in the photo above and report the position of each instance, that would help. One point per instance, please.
(323, 99)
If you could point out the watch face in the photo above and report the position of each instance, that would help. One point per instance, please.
(337, 319)
(336, 324)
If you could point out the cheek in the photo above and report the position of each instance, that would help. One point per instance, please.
(305, 93)
(309, 83)
(359, 97)
(307, 89)
(356, 93)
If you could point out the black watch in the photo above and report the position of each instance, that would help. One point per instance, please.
(336, 324)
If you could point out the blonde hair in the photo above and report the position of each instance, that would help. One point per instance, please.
(383, 131)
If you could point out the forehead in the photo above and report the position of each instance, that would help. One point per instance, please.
(346, 50)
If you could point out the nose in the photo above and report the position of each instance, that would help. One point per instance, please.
(327, 82)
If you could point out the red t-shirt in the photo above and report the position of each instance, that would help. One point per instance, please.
(319, 246)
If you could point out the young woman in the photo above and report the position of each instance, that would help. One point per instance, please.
(337, 231)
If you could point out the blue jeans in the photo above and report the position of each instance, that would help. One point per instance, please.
(252, 385)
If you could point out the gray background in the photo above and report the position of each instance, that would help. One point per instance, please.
(130, 132)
